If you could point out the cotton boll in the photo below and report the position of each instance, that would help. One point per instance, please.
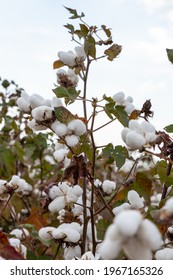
(57, 204)
(149, 235)
(60, 155)
(23, 105)
(129, 99)
(135, 200)
(20, 248)
(119, 97)
(135, 250)
(109, 250)
(59, 128)
(124, 133)
(35, 126)
(54, 191)
(25, 96)
(77, 127)
(2, 186)
(164, 254)
(72, 76)
(72, 236)
(46, 102)
(42, 113)
(150, 137)
(135, 126)
(56, 102)
(68, 58)
(169, 205)
(128, 222)
(71, 140)
(80, 52)
(59, 73)
(108, 186)
(35, 100)
(134, 140)
(46, 233)
(112, 233)
(118, 209)
(148, 127)
(77, 190)
(129, 108)
(20, 233)
(72, 252)
(97, 183)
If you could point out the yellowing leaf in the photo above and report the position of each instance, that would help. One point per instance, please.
(58, 64)
(113, 51)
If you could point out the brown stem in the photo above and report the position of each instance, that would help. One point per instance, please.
(165, 186)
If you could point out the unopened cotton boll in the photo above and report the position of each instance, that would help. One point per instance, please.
(135, 200)
(119, 97)
(68, 58)
(42, 113)
(35, 126)
(128, 222)
(46, 233)
(23, 105)
(71, 140)
(149, 235)
(59, 128)
(134, 140)
(77, 127)
(135, 250)
(164, 254)
(35, 100)
(108, 186)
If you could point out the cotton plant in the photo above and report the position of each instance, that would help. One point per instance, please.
(138, 238)
(137, 134)
(127, 102)
(20, 233)
(16, 184)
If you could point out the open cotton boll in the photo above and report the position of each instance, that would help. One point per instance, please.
(147, 127)
(57, 204)
(149, 235)
(59, 128)
(71, 140)
(66, 232)
(119, 97)
(54, 191)
(164, 254)
(80, 52)
(112, 233)
(135, 126)
(118, 209)
(134, 140)
(135, 250)
(129, 99)
(56, 102)
(35, 100)
(97, 183)
(169, 205)
(2, 186)
(128, 222)
(24, 95)
(35, 126)
(23, 105)
(109, 250)
(68, 58)
(124, 133)
(108, 186)
(77, 127)
(46, 102)
(60, 155)
(129, 108)
(20, 248)
(42, 113)
(150, 137)
(73, 77)
(20, 233)
(46, 233)
(72, 252)
(135, 200)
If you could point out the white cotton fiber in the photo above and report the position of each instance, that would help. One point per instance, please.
(35, 100)
(20, 233)
(149, 235)
(57, 204)
(68, 58)
(129, 99)
(60, 155)
(129, 108)
(169, 205)
(150, 137)
(54, 191)
(46, 102)
(42, 113)
(124, 133)
(134, 140)
(109, 250)
(147, 127)
(71, 140)
(164, 254)
(135, 200)
(112, 233)
(59, 128)
(119, 97)
(108, 186)
(80, 52)
(35, 126)
(72, 76)
(135, 250)
(46, 233)
(118, 209)
(72, 252)
(2, 186)
(136, 126)
(56, 102)
(77, 127)
(128, 222)
(23, 105)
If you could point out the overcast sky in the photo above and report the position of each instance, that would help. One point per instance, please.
(32, 32)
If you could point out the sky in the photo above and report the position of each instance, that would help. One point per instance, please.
(32, 33)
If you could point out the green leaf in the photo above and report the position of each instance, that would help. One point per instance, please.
(5, 84)
(74, 13)
(89, 46)
(170, 55)
(143, 186)
(7, 161)
(169, 128)
(63, 115)
(106, 30)
(113, 51)
(69, 94)
(70, 27)
(108, 99)
(161, 169)
(118, 112)
(119, 154)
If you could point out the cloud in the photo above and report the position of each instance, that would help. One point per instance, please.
(155, 5)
